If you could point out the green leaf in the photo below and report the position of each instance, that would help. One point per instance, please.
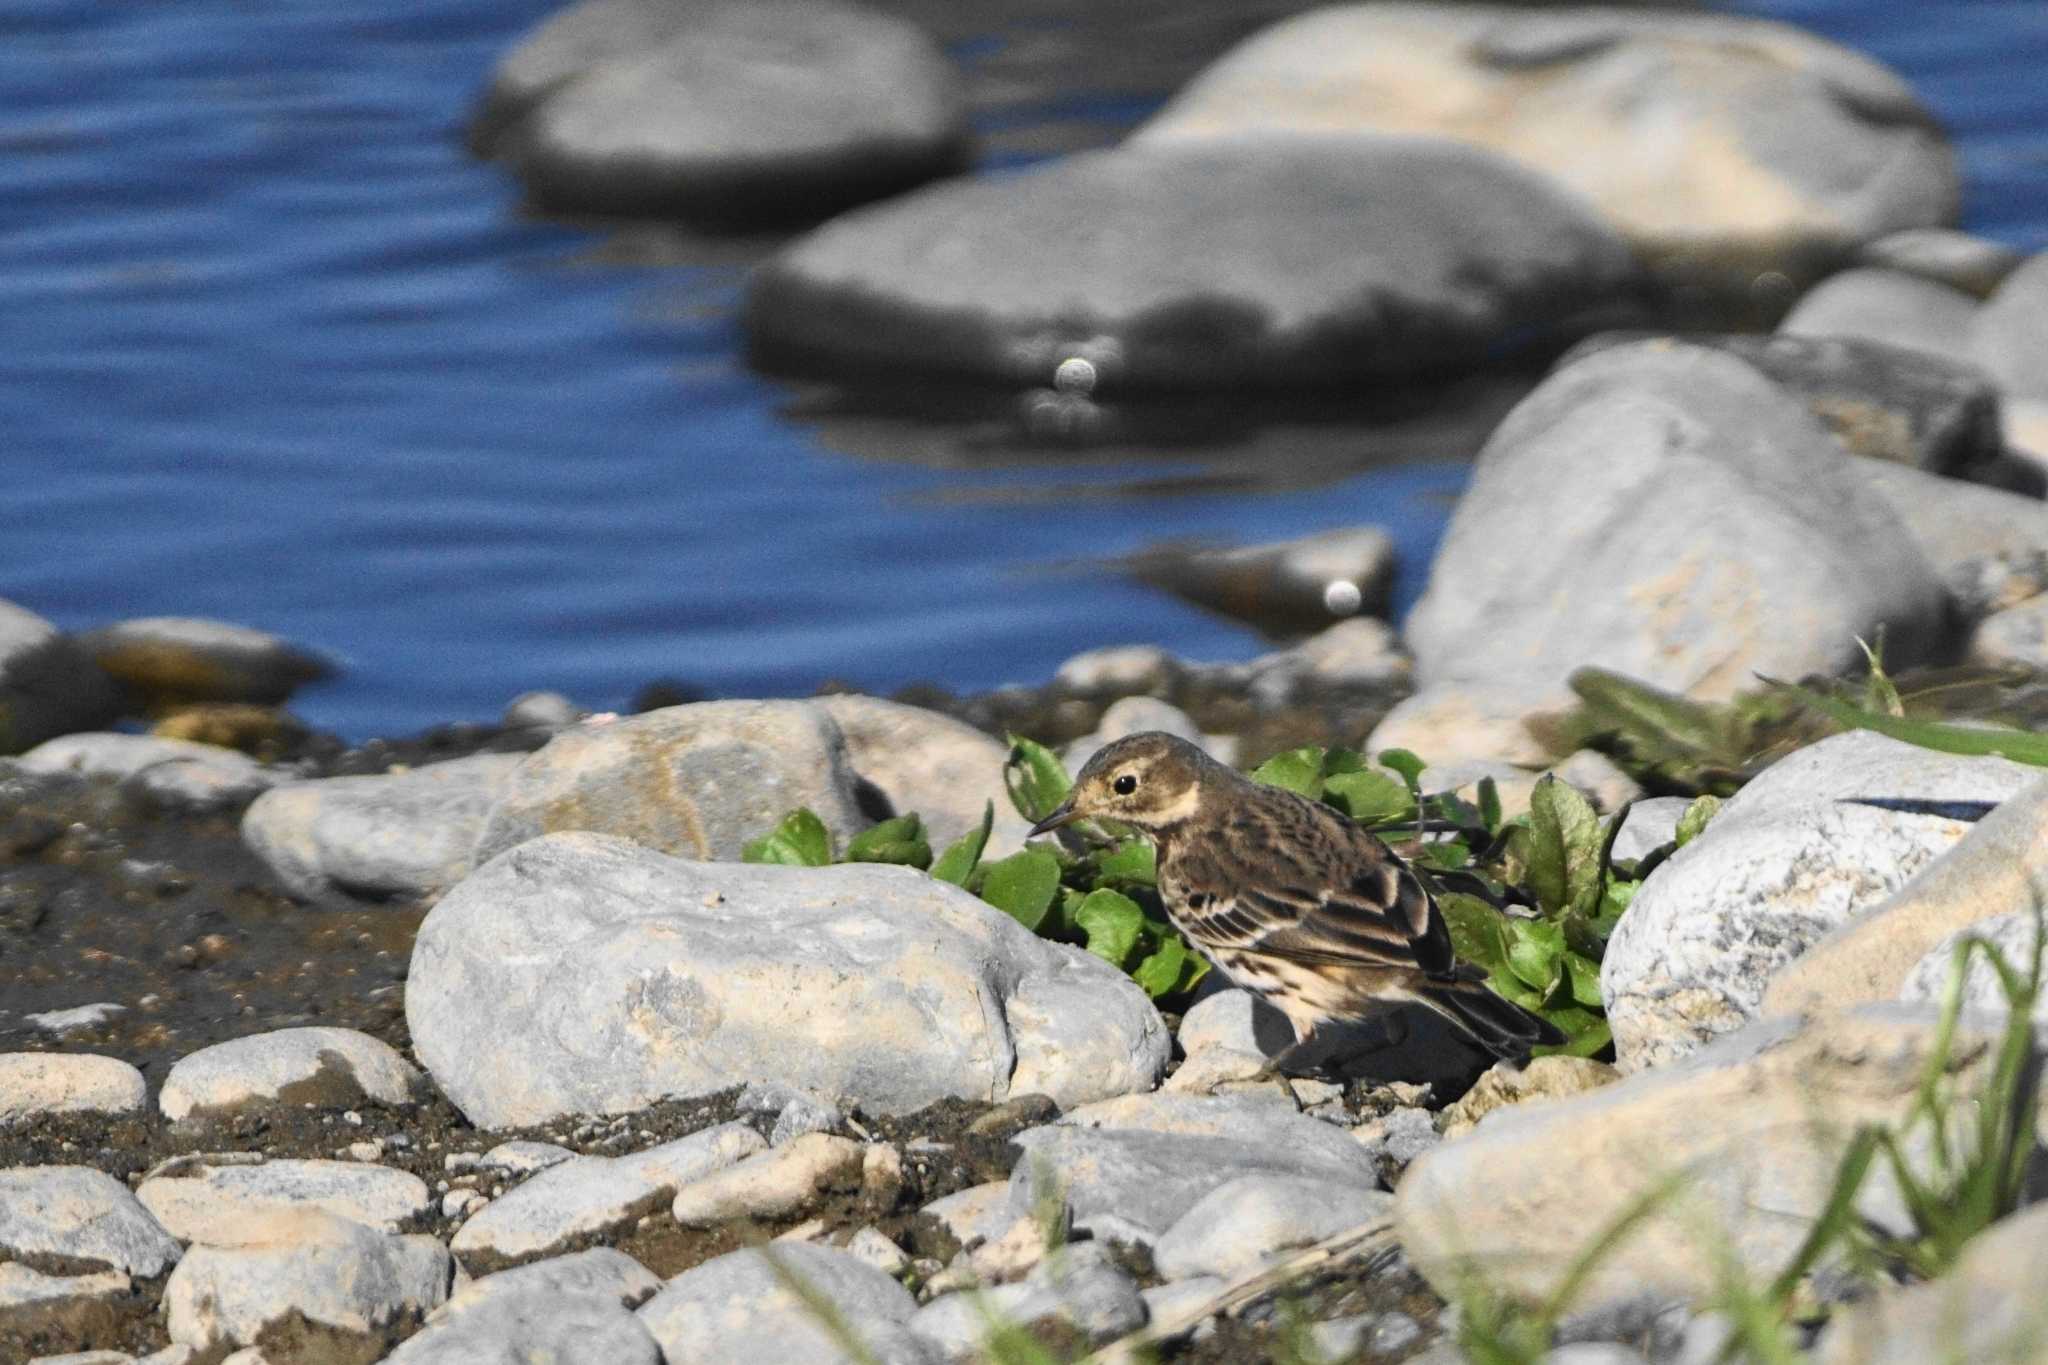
(956, 864)
(2021, 746)
(1614, 903)
(1585, 1032)
(1022, 885)
(1369, 797)
(1489, 805)
(1585, 980)
(1694, 818)
(1449, 855)
(1406, 764)
(1113, 923)
(900, 840)
(1298, 770)
(1159, 972)
(1564, 847)
(1035, 778)
(1343, 761)
(1133, 860)
(1478, 931)
(801, 840)
(1536, 953)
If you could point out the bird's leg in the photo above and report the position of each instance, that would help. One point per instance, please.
(1289, 1061)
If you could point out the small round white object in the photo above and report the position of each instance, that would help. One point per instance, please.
(1342, 598)
(1075, 375)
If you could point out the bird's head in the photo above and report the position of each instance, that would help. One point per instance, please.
(1150, 781)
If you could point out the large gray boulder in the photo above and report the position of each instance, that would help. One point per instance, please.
(1664, 511)
(698, 781)
(1259, 263)
(1820, 839)
(48, 686)
(403, 836)
(1744, 1138)
(742, 114)
(581, 973)
(1723, 146)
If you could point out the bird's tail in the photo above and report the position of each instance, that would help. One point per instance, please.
(1500, 1026)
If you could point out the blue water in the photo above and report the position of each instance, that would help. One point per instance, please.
(274, 349)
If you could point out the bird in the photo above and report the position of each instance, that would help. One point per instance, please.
(1290, 898)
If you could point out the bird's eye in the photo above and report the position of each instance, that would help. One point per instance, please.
(1124, 785)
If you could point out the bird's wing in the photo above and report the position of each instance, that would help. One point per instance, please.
(1342, 899)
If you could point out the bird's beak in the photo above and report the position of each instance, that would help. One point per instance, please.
(1062, 814)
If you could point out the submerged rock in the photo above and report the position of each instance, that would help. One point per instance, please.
(48, 685)
(1230, 265)
(584, 974)
(1733, 152)
(165, 662)
(750, 114)
(1283, 588)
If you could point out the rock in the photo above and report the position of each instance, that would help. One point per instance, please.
(1991, 870)
(2013, 935)
(1237, 1020)
(332, 1271)
(596, 1195)
(33, 1084)
(1506, 1085)
(541, 711)
(77, 1019)
(574, 1307)
(1975, 265)
(1650, 825)
(1145, 1159)
(699, 781)
(83, 1215)
(736, 1307)
(1284, 588)
(174, 773)
(1078, 1290)
(1990, 546)
(1595, 774)
(771, 1184)
(1400, 1135)
(585, 974)
(1797, 852)
(1237, 1226)
(1886, 306)
(2018, 635)
(2009, 335)
(1723, 147)
(943, 769)
(328, 1067)
(1175, 267)
(48, 685)
(974, 1214)
(1449, 723)
(393, 836)
(1739, 1118)
(1702, 525)
(1382, 1334)
(1987, 1307)
(166, 662)
(1880, 401)
(201, 1202)
(24, 1289)
(524, 1158)
(730, 116)
(1129, 716)
(871, 1247)
(1121, 671)
(1362, 654)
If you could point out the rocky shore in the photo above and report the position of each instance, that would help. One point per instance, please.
(568, 1037)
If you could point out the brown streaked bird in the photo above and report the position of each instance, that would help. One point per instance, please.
(1288, 897)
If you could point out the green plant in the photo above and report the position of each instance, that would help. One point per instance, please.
(1531, 901)
(1098, 892)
